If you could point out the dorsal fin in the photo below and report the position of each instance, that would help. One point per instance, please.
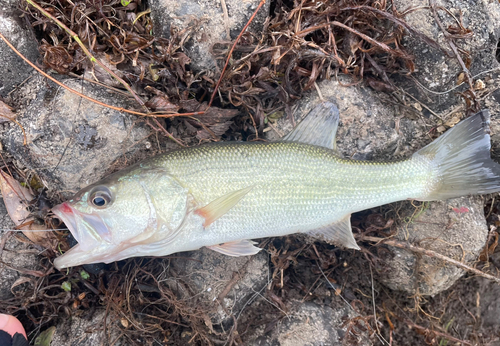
(319, 127)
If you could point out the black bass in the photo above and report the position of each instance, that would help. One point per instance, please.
(222, 195)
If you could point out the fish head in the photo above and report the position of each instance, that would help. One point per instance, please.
(127, 214)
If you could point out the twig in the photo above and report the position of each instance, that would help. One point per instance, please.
(430, 253)
(345, 27)
(226, 19)
(262, 2)
(86, 51)
(427, 332)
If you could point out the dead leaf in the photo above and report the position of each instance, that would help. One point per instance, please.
(20, 281)
(45, 337)
(16, 199)
(6, 113)
(161, 103)
(214, 122)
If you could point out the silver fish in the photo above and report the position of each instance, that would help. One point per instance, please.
(223, 195)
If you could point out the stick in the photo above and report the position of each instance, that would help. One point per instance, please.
(262, 2)
(430, 253)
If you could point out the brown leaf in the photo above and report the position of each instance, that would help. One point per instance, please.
(16, 198)
(161, 103)
(6, 113)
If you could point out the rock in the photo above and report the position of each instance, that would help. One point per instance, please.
(88, 330)
(13, 70)
(455, 228)
(312, 324)
(15, 254)
(71, 142)
(210, 273)
(490, 306)
(437, 71)
(210, 24)
(368, 129)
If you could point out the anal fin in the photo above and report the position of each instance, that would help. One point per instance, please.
(338, 233)
(236, 248)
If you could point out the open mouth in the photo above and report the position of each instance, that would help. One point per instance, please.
(66, 214)
(90, 232)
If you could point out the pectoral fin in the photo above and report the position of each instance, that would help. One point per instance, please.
(319, 127)
(215, 209)
(236, 248)
(338, 233)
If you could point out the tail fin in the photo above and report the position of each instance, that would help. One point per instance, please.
(462, 159)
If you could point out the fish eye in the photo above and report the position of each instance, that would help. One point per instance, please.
(100, 197)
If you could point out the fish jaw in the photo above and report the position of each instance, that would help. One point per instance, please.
(88, 230)
(77, 256)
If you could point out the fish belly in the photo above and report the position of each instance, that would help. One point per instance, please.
(294, 187)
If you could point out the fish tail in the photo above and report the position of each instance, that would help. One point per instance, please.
(461, 160)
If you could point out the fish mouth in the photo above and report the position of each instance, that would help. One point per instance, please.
(91, 233)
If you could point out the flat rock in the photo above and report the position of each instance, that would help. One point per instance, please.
(211, 274)
(438, 72)
(13, 70)
(312, 324)
(15, 254)
(71, 142)
(88, 330)
(455, 228)
(210, 26)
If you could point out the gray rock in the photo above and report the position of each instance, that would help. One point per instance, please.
(210, 24)
(455, 228)
(434, 69)
(71, 142)
(13, 70)
(310, 324)
(369, 128)
(210, 273)
(14, 255)
(88, 330)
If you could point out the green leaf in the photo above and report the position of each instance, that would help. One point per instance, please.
(84, 274)
(66, 285)
(125, 2)
(45, 337)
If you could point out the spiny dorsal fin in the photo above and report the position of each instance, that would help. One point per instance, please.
(218, 207)
(338, 233)
(236, 248)
(319, 127)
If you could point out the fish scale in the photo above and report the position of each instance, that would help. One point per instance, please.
(311, 183)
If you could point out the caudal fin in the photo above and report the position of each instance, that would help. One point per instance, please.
(462, 159)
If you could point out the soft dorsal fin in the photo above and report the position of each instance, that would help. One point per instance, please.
(236, 248)
(319, 127)
(338, 233)
(218, 207)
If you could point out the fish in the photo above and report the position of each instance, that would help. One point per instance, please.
(223, 195)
